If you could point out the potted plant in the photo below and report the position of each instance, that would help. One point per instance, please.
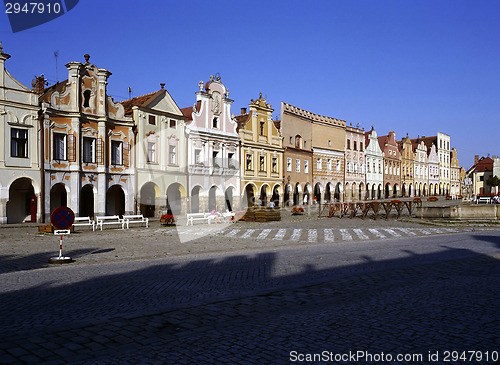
(297, 210)
(168, 219)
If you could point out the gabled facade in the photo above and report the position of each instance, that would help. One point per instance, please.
(296, 129)
(407, 166)
(261, 155)
(374, 166)
(20, 176)
(213, 150)
(480, 173)
(392, 165)
(88, 141)
(433, 164)
(442, 144)
(160, 153)
(420, 168)
(355, 164)
(455, 182)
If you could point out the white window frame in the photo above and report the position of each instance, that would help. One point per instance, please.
(116, 159)
(64, 140)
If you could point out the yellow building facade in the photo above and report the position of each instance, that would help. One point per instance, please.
(261, 155)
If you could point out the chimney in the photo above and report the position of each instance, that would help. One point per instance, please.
(40, 84)
(476, 159)
(243, 110)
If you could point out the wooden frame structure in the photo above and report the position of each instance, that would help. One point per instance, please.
(351, 209)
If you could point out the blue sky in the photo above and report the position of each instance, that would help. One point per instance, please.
(416, 67)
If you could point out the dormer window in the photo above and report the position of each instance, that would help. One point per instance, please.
(215, 123)
(262, 124)
(86, 98)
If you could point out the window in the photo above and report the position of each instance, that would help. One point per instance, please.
(274, 164)
(60, 146)
(215, 123)
(86, 98)
(318, 163)
(355, 145)
(361, 146)
(172, 157)
(289, 163)
(173, 123)
(329, 143)
(88, 150)
(306, 166)
(249, 162)
(298, 141)
(151, 155)
(329, 164)
(291, 140)
(215, 159)
(297, 165)
(197, 156)
(261, 128)
(152, 119)
(338, 166)
(116, 153)
(348, 144)
(19, 143)
(230, 161)
(262, 163)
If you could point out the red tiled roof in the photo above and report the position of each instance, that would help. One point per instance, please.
(188, 112)
(59, 87)
(428, 141)
(143, 100)
(484, 164)
(242, 119)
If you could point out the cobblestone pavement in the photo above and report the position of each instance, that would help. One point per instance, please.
(255, 303)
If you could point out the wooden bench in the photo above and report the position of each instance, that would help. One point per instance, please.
(84, 221)
(135, 218)
(191, 217)
(109, 220)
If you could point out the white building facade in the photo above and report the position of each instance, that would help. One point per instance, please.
(374, 166)
(20, 174)
(213, 150)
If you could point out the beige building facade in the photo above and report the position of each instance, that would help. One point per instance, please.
(160, 154)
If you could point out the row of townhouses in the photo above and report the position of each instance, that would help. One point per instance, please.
(70, 144)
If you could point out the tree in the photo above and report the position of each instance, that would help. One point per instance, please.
(493, 181)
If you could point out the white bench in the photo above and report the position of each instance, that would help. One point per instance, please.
(227, 216)
(191, 217)
(135, 218)
(84, 221)
(484, 199)
(109, 220)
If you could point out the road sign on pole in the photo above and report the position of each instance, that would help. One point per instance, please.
(61, 218)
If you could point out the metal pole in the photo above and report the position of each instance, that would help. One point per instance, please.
(60, 247)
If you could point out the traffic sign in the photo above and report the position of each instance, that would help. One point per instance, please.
(62, 218)
(62, 231)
